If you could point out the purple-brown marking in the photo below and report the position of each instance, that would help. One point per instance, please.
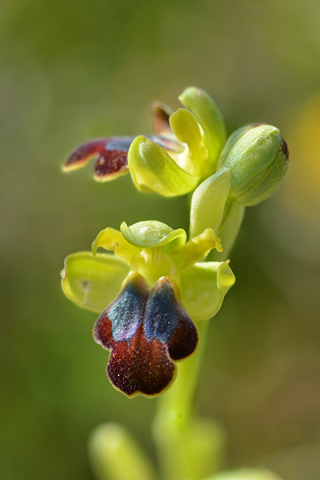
(145, 331)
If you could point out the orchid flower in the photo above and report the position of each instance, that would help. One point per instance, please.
(148, 294)
(182, 152)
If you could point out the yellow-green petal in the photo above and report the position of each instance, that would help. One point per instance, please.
(196, 249)
(153, 170)
(187, 130)
(112, 239)
(210, 119)
(203, 288)
(93, 281)
(208, 202)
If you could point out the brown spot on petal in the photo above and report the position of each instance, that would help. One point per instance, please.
(284, 149)
(111, 164)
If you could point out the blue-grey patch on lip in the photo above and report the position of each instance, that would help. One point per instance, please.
(126, 313)
(119, 143)
(161, 314)
(123, 143)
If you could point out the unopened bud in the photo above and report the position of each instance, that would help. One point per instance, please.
(258, 162)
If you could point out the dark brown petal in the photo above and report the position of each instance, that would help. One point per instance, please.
(140, 366)
(160, 118)
(110, 164)
(83, 154)
(166, 320)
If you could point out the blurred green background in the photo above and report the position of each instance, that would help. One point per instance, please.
(74, 70)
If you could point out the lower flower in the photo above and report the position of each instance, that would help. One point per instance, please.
(147, 290)
(146, 331)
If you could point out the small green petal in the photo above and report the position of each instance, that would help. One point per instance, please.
(112, 239)
(151, 234)
(208, 202)
(188, 131)
(92, 282)
(153, 170)
(196, 249)
(210, 119)
(203, 288)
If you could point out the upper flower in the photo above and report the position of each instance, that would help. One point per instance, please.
(183, 150)
(148, 294)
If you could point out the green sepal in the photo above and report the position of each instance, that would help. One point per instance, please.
(245, 474)
(112, 239)
(208, 202)
(203, 288)
(115, 455)
(152, 234)
(187, 130)
(210, 119)
(196, 249)
(153, 170)
(92, 282)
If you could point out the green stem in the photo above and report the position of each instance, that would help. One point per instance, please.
(180, 397)
(188, 447)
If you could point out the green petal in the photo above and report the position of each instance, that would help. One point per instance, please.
(153, 170)
(208, 202)
(188, 131)
(203, 288)
(210, 119)
(92, 282)
(151, 234)
(196, 249)
(112, 239)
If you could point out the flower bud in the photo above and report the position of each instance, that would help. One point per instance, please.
(115, 454)
(258, 162)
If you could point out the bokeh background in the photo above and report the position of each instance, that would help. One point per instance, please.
(72, 70)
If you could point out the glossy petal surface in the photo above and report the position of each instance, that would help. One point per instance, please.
(92, 282)
(145, 331)
(152, 234)
(153, 170)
